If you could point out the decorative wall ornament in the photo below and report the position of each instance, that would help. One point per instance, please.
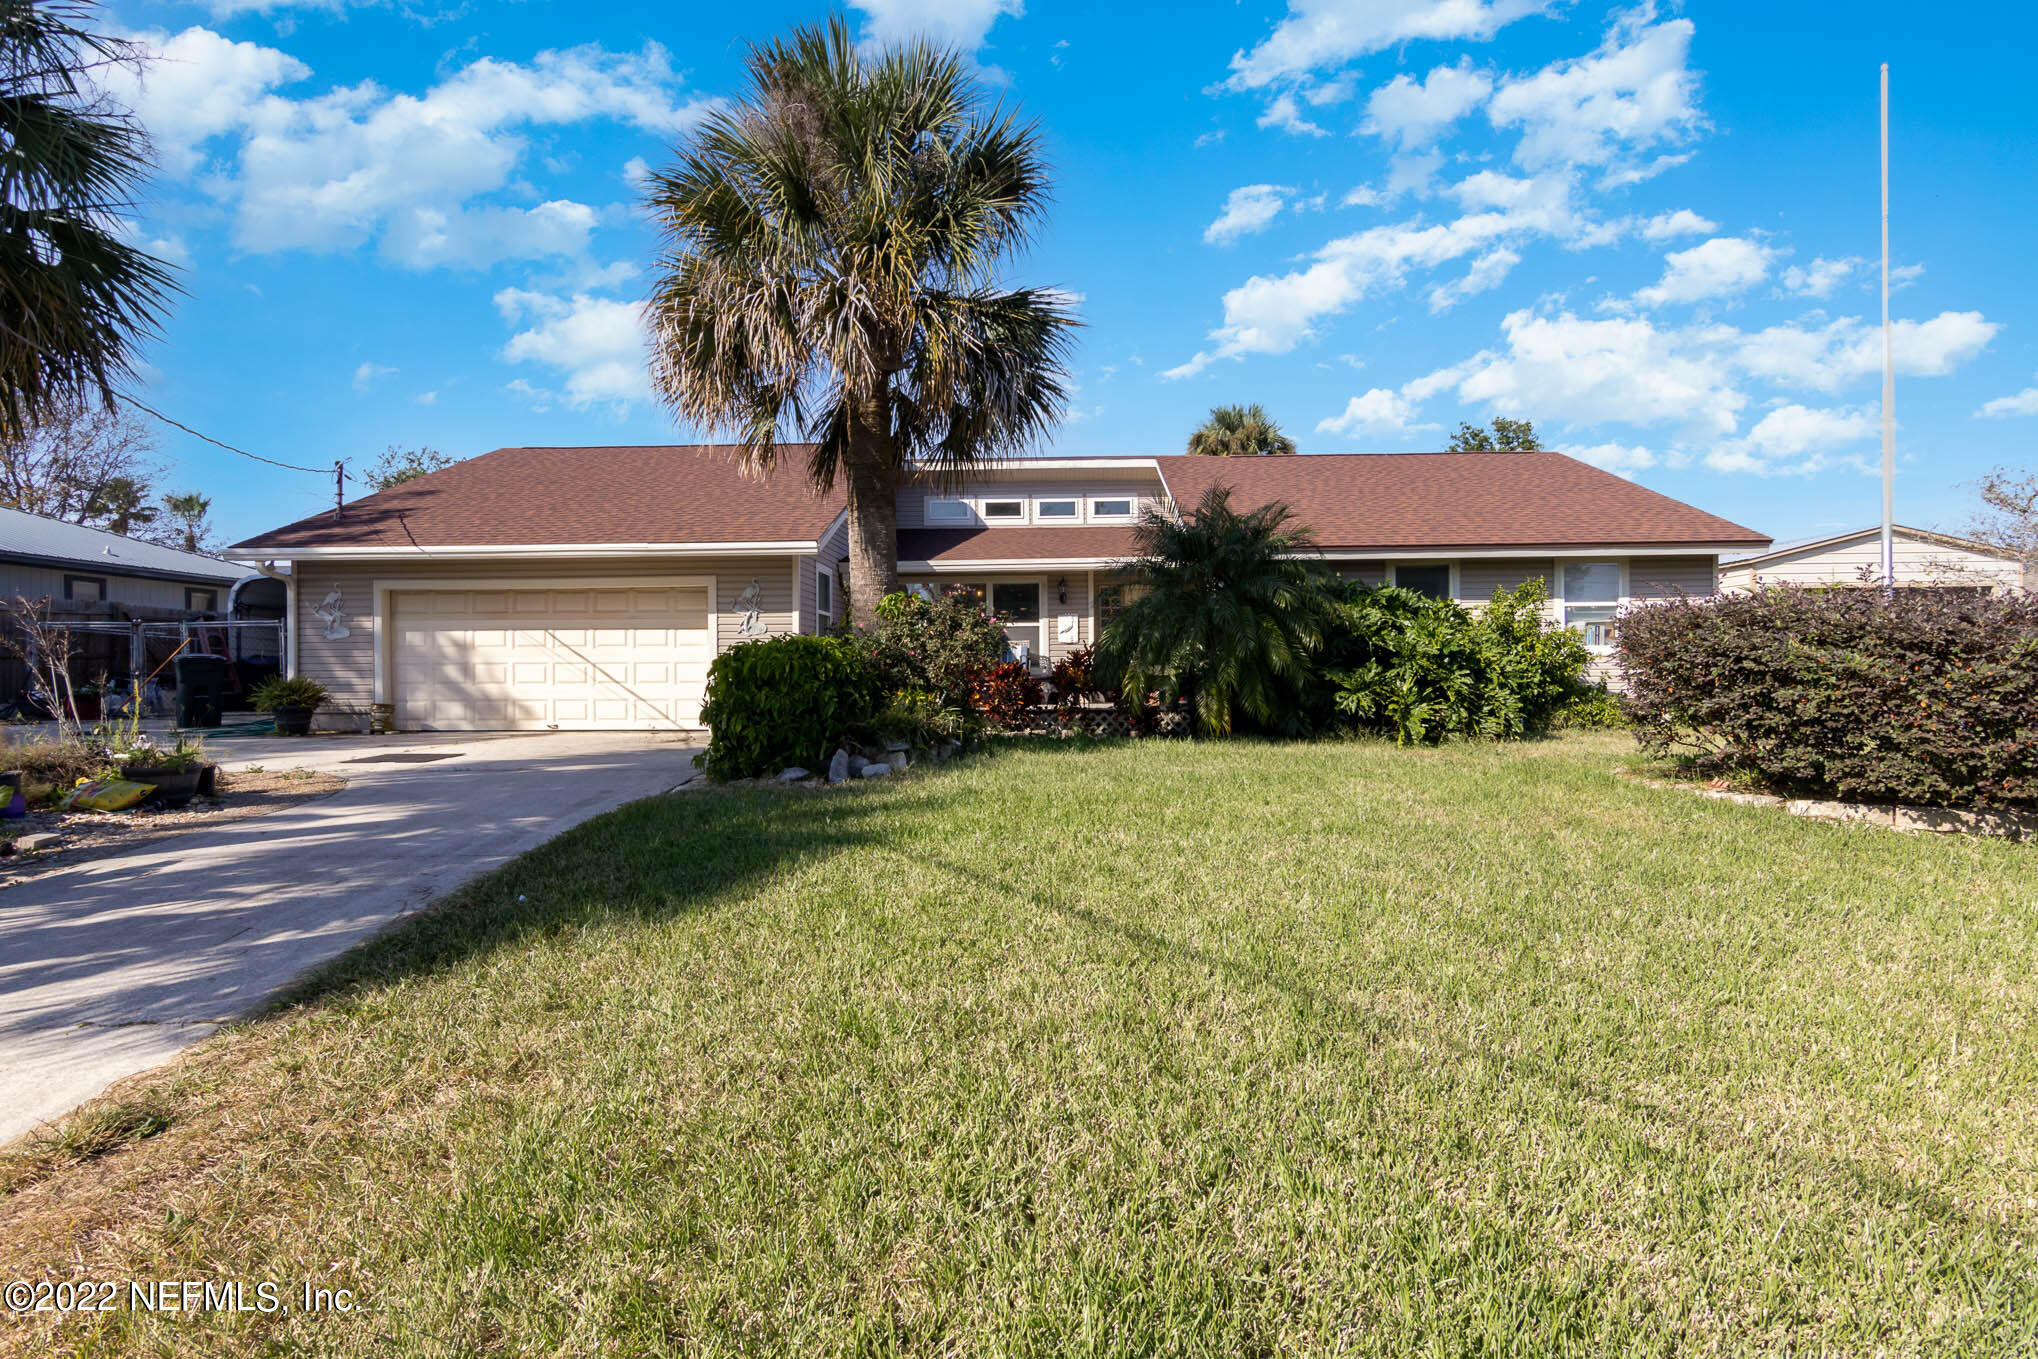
(333, 610)
(750, 604)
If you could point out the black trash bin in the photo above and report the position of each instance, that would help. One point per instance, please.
(201, 690)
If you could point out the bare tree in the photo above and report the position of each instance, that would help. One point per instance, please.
(44, 648)
(86, 465)
(2009, 513)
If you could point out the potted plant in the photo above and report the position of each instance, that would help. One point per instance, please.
(173, 771)
(85, 702)
(291, 701)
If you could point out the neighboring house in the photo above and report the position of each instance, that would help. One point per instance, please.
(90, 576)
(1923, 558)
(591, 587)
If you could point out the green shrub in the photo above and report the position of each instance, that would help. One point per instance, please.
(935, 646)
(1595, 709)
(784, 701)
(1930, 697)
(297, 691)
(1425, 669)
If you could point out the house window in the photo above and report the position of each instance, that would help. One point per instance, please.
(1055, 509)
(975, 592)
(1432, 581)
(947, 510)
(1591, 599)
(824, 596)
(197, 600)
(1112, 508)
(1113, 600)
(1004, 509)
(1017, 604)
(85, 589)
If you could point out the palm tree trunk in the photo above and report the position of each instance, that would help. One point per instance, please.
(873, 496)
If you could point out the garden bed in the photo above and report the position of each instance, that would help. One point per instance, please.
(1888, 816)
(94, 835)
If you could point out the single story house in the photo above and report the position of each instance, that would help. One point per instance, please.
(536, 588)
(1923, 559)
(106, 583)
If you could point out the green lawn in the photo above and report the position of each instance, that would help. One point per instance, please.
(1158, 1049)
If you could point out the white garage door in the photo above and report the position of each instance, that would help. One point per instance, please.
(571, 659)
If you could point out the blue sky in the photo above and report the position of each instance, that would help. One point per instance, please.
(1651, 230)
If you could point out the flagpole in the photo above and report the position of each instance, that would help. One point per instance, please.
(1888, 372)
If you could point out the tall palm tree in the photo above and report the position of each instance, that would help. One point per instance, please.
(1240, 431)
(1231, 614)
(75, 300)
(832, 243)
(188, 511)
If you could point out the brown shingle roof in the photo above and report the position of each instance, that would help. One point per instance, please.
(1053, 543)
(682, 493)
(1370, 501)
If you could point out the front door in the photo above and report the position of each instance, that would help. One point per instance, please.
(1017, 604)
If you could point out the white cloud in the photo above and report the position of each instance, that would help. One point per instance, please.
(1620, 459)
(1325, 33)
(1630, 95)
(1722, 266)
(953, 23)
(1378, 411)
(1415, 113)
(636, 172)
(596, 342)
(1667, 226)
(367, 373)
(1794, 439)
(413, 173)
(1821, 276)
(1589, 372)
(1285, 114)
(1486, 274)
(1250, 208)
(2004, 407)
(427, 398)
(1828, 356)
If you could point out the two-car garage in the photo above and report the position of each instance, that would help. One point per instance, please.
(581, 658)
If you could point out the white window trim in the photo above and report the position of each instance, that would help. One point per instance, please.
(966, 512)
(1075, 515)
(823, 617)
(1025, 515)
(1563, 600)
(1100, 517)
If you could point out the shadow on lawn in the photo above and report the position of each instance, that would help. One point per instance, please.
(1885, 1189)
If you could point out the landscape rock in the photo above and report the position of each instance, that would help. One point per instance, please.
(838, 768)
(793, 774)
(897, 758)
(874, 771)
(857, 764)
(39, 840)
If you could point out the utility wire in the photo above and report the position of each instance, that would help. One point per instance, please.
(286, 466)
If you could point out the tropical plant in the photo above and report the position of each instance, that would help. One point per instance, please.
(189, 530)
(1425, 669)
(76, 300)
(832, 244)
(398, 465)
(1240, 431)
(1075, 678)
(1508, 436)
(295, 691)
(1005, 692)
(1231, 613)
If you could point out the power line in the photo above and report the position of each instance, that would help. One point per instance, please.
(286, 466)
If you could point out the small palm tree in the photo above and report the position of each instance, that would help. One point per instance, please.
(189, 510)
(1239, 432)
(1231, 614)
(832, 246)
(75, 300)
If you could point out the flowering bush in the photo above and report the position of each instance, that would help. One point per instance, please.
(1930, 697)
(933, 645)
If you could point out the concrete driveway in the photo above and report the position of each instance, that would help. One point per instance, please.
(114, 966)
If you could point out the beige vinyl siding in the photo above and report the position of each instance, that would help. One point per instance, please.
(35, 582)
(1479, 578)
(1665, 577)
(834, 547)
(1859, 560)
(346, 666)
(1146, 494)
